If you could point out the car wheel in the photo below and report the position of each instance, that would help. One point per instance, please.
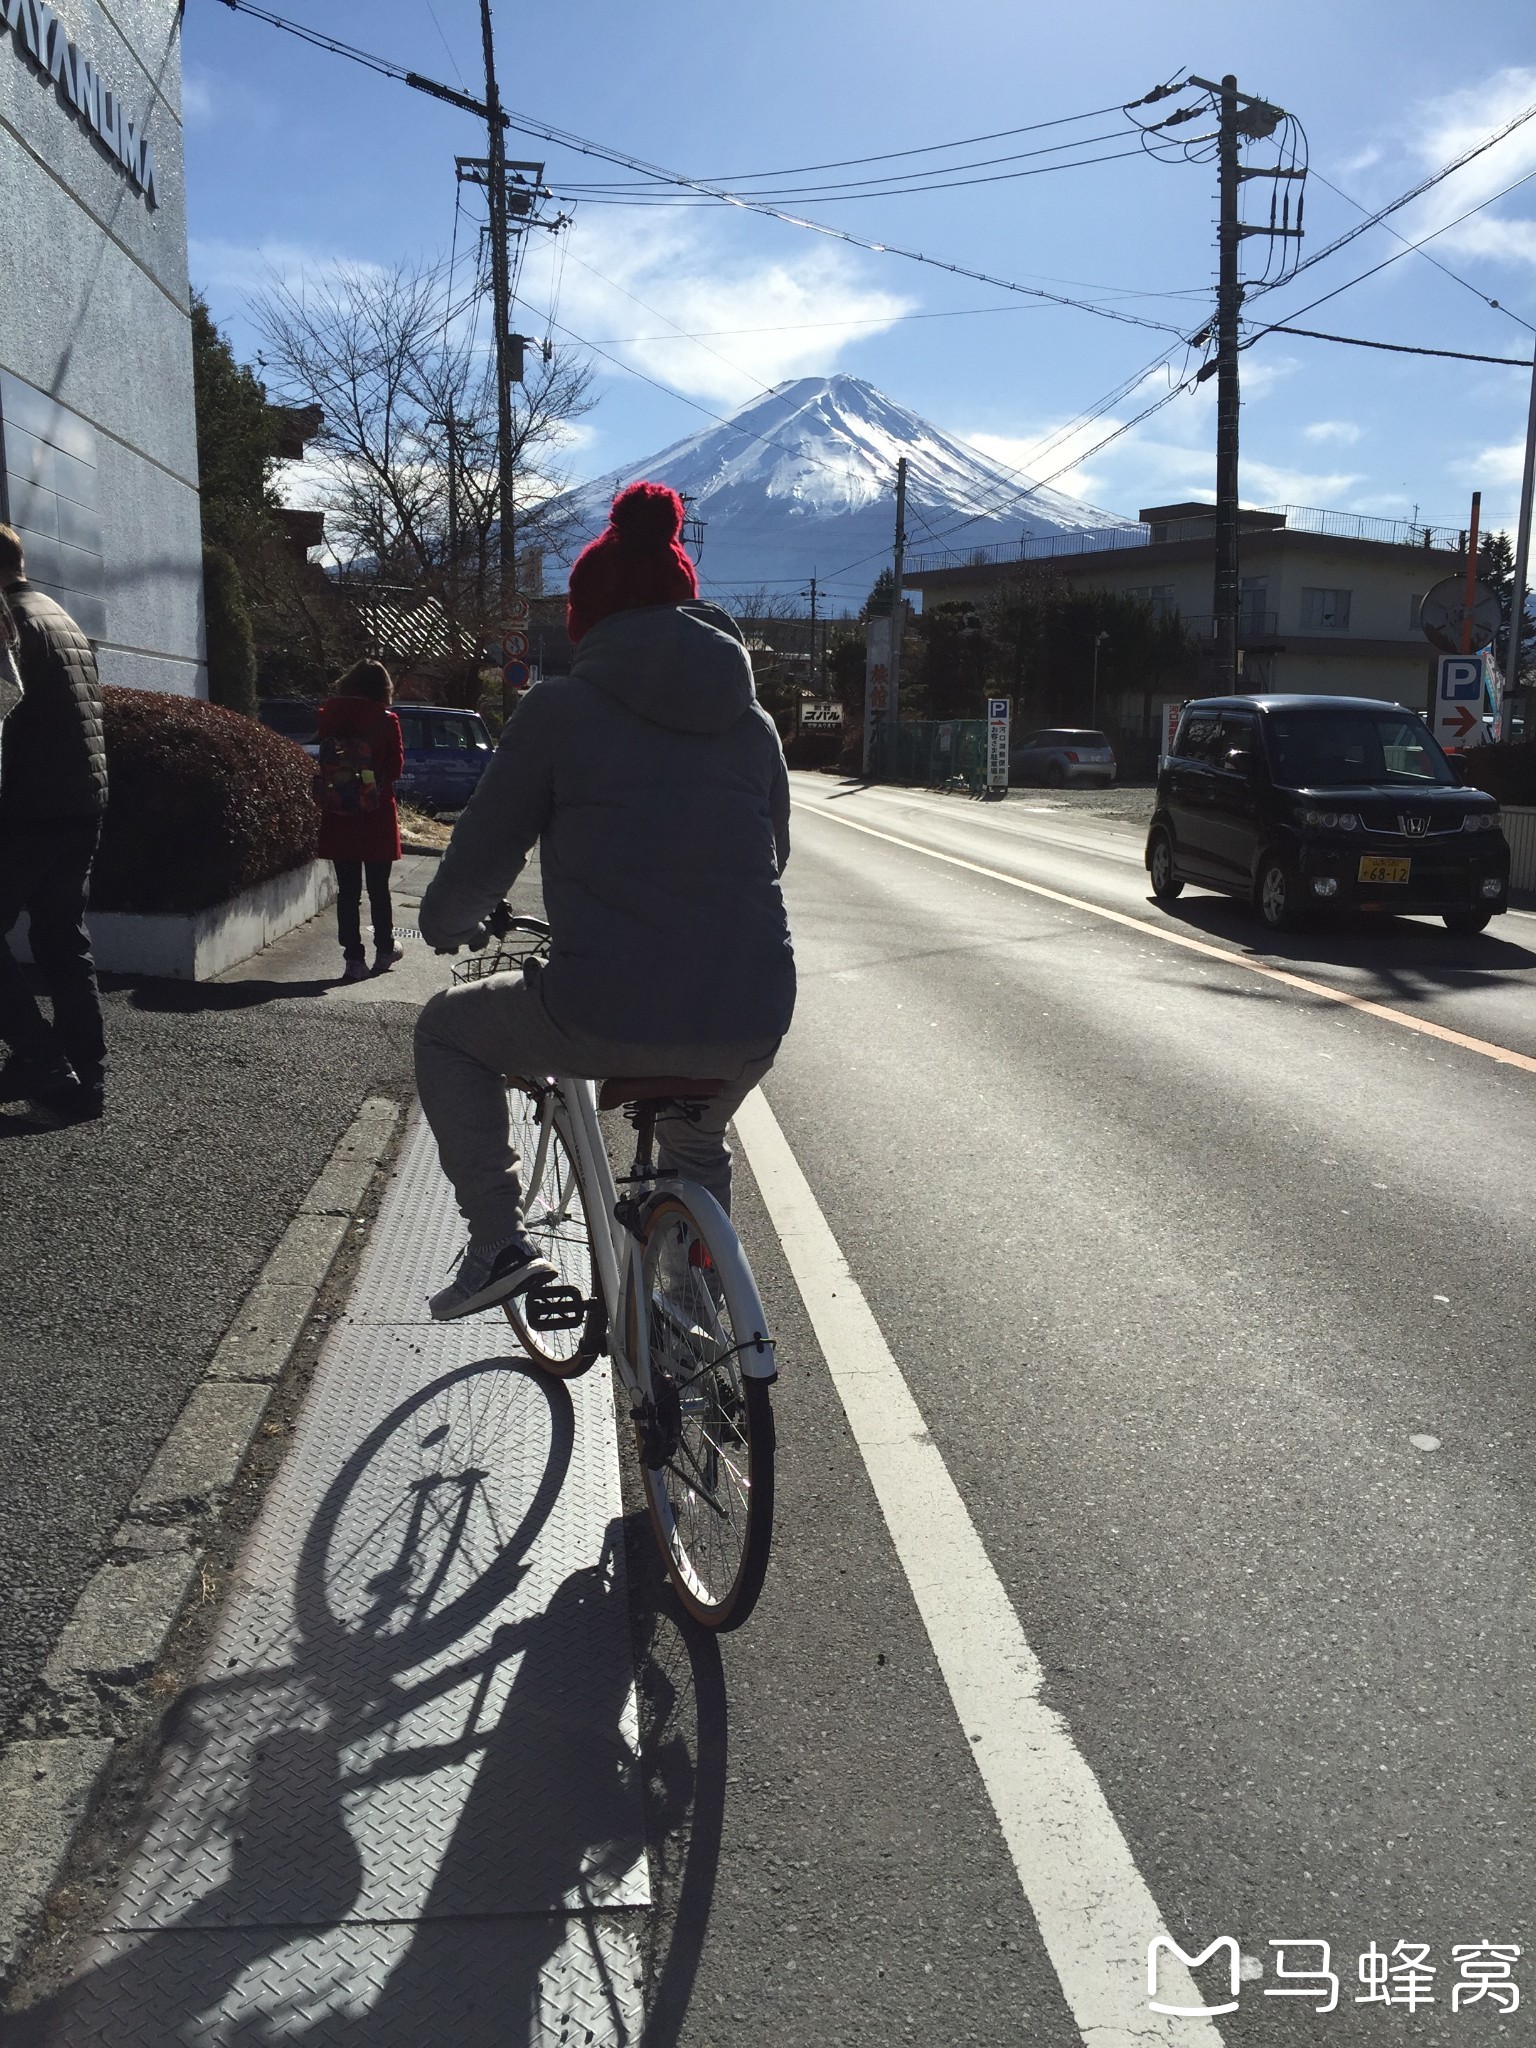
(1055, 775)
(1275, 896)
(1165, 883)
(1467, 923)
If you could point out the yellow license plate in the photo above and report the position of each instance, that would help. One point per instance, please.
(1381, 867)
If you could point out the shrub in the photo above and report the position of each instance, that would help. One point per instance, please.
(202, 803)
(231, 642)
(1507, 771)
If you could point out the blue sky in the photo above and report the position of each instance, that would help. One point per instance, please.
(297, 160)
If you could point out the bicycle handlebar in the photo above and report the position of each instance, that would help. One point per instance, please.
(503, 921)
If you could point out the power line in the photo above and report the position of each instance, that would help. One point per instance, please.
(834, 196)
(1455, 275)
(1417, 192)
(925, 149)
(1397, 255)
(1401, 348)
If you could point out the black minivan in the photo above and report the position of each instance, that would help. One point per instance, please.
(1324, 803)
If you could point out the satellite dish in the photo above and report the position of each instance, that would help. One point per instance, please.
(1444, 611)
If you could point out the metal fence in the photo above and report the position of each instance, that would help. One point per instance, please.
(932, 753)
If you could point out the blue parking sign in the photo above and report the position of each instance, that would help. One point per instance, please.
(1461, 678)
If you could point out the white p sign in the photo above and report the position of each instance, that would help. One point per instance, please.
(1458, 698)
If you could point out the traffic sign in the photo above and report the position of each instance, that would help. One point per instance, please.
(515, 675)
(513, 646)
(516, 613)
(998, 709)
(1458, 698)
(1444, 611)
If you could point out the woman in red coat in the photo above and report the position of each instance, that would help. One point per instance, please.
(361, 756)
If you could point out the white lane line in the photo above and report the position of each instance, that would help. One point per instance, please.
(1487, 1047)
(1095, 1913)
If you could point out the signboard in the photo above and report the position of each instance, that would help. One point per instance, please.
(516, 613)
(515, 675)
(1458, 700)
(514, 645)
(39, 33)
(877, 679)
(1445, 616)
(998, 709)
(821, 717)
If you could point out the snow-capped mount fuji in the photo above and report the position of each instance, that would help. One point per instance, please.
(803, 479)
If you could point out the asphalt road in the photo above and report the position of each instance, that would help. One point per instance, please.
(1215, 1298)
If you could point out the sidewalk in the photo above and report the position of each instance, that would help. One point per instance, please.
(403, 1804)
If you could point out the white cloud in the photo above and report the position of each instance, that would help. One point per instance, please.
(1332, 430)
(636, 285)
(248, 268)
(1444, 128)
(196, 97)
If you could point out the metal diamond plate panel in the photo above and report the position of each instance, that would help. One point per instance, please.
(543, 1982)
(421, 1702)
(415, 1240)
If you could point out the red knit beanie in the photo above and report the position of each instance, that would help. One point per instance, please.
(636, 560)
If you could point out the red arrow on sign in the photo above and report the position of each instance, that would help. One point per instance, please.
(1461, 721)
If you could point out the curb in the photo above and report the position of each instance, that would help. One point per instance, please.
(420, 846)
(89, 1698)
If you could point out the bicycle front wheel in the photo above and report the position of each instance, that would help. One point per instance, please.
(706, 1453)
(555, 1219)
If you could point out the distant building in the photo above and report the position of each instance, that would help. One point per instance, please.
(97, 427)
(1329, 600)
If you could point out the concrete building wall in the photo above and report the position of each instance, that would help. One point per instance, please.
(93, 280)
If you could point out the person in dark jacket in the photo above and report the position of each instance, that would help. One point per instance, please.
(53, 790)
(361, 756)
(654, 784)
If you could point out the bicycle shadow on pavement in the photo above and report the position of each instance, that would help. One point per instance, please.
(291, 1896)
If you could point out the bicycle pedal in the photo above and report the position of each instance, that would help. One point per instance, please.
(554, 1308)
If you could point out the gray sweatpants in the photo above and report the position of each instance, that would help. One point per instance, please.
(470, 1037)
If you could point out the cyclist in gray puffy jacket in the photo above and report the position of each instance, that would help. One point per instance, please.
(654, 785)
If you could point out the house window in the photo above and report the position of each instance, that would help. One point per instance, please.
(1325, 611)
(1159, 596)
(1252, 598)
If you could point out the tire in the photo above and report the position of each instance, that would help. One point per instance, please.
(1166, 886)
(555, 1218)
(1055, 776)
(1467, 923)
(711, 1500)
(1274, 896)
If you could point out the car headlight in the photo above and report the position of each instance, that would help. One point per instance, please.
(1480, 821)
(1330, 821)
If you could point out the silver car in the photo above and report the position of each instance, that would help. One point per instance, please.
(1062, 754)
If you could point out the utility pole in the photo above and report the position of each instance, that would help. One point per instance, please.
(1522, 556)
(501, 313)
(1241, 116)
(452, 580)
(813, 631)
(1229, 303)
(897, 616)
(1469, 595)
(1098, 642)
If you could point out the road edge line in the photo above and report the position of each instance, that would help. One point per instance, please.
(55, 1768)
(1485, 1047)
(1095, 1912)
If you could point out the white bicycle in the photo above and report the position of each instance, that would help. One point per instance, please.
(655, 1278)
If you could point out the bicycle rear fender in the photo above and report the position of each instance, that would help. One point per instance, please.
(757, 1356)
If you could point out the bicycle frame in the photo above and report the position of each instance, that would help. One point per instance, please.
(616, 1248)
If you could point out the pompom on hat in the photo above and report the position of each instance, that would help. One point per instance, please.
(636, 560)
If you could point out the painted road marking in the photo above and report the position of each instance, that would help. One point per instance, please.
(1095, 1913)
(1486, 1047)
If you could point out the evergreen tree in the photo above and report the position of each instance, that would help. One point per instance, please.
(235, 452)
(878, 603)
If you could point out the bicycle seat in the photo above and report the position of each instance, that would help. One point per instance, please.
(625, 1091)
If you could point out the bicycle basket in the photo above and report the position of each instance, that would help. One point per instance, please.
(503, 956)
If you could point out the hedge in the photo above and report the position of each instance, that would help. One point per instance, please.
(202, 803)
(1507, 771)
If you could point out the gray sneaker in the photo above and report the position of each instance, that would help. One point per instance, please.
(490, 1274)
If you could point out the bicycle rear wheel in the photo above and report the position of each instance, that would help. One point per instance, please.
(706, 1456)
(555, 1218)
